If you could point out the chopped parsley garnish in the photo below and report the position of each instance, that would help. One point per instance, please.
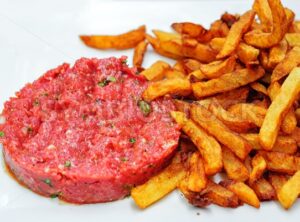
(48, 182)
(2, 134)
(132, 140)
(144, 107)
(68, 164)
(55, 195)
(123, 159)
(124, 62)
(106, 81)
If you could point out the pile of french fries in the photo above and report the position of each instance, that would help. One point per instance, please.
(236, 89)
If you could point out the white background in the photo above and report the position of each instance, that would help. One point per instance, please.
(38, 35)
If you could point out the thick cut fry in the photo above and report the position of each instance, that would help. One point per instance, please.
(196, 76)
(293, 39)
(227, 82)
(157, 89)
(178, 66)
(235, 34)
(259, 88)
(182, 106)
(279, 107)
(291, 60)
(191, 29)
(283, 144)
(201, 52)
(208, 146)
(259, 166)
(244, 192)
(221, 196)
(217, 43)
(124, 41)
(289, 122)
(264, 13)
(235, 123)
(218, 68)
(160, 185)
(290, 191)
(196, 178)
(250, 112)
(191, 65)
(279, 27)
(263, 189)
(139, 52)
(277, 53)
(280, 162)
(215, 127)
(296, 135)
(166, 36)
(247, 54)
(277, 181)
(235, 169)
(173, 74)
(157, 47)
(155, 71)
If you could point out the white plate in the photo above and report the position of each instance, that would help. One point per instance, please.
(39, 35)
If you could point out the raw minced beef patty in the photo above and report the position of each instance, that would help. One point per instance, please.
(82, 133)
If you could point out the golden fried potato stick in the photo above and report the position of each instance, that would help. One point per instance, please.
(262, 8)
(203, 117)
(191, 65)
(139, 52)
(123, 41)
(263, 189)
(290, 191)
(227, 82)
(283, 144)
(188, 28)
(163, 87)
(277, 181)
(235, 34)
(173, 74)
(196, 178)
(217, 43)
(160, 185)
(166, 36)
(244, 192)
(234, 167)
(280, 25)
(293, 39)
(247, 54)
(259, 166)
(155, 71)
(277, 53)
(279, 108)
(291, 60)
(217, 68)
(208, 146)
(259, 88)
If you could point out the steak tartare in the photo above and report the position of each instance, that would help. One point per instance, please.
(83, 134)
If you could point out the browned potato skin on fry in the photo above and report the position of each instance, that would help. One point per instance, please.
(123, 41)
(259, 166)
(277, 181)
(263, 190)
(139, 52)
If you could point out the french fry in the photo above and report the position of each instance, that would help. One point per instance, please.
(235, 34)
(296, 135)
(259, 88)
(182, 106)
(262, 8)
(123, 41)
(191, 29)
(293, 39)
(139, 52)
(227, 82)
(166, 36)
(191, 65)
(155, 71)
(173, 74)
(297, 114)
(209, 148)
(283, 144)
(291, 60)
(221, 196)
(279, 27)
(277, 181)
(196, 178)
(244, 192)
(259, 166)
(215, 127)
(217, 43)
(167, 86)
(201, 52)
(279, 107)
(247, 54)
(178, 66)
(234, 167)
(160, 185)
(263, 189)
(280, 162)
(277, 53)
(289, 122)
(229, 19)
(290, 191)
(218, 68)
(196, 76)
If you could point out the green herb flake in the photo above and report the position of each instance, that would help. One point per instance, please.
(2, 134)
(124, 62)
(55, 195)
(132, 140)
(48, 182)
(144, 107)
(103, 83)
(111, 79)
(68, 164)
(123, 159)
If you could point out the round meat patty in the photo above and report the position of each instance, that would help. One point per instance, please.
(83, 134)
